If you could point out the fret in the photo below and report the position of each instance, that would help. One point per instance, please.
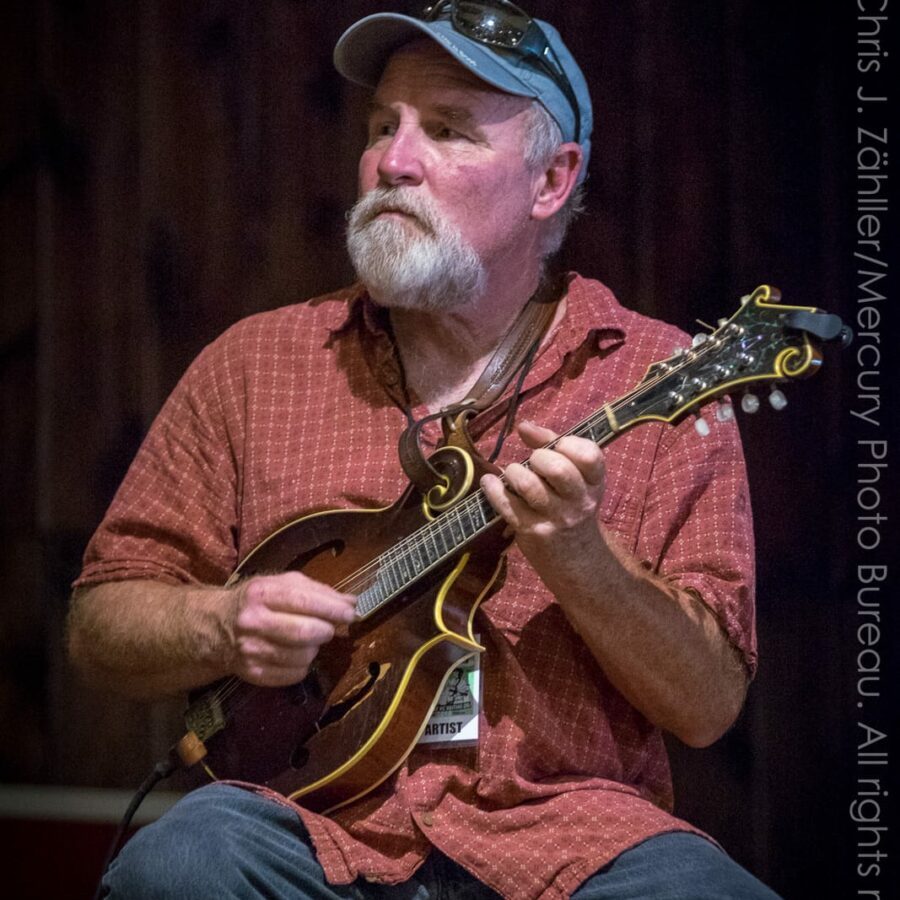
(418, 558)
(448, 539)
(402, 564)
(368, 598)
(403, 568)
(375, 594)
(479, 513)
(440, 532)
(457, 526)
(384, 584)
(365, 603)
(391, 573)
(428, 548)
(597, 428)
(410, 559)
(378, 589)
(389, 570)
(451, 537)
(436, 551)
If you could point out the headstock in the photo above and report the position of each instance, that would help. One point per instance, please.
(764, 341)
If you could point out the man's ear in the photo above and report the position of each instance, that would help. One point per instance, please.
(557, 181)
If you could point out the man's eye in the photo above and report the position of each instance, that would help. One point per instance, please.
(381, 129)
(445, 133)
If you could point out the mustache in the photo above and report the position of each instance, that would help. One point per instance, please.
(381, 200)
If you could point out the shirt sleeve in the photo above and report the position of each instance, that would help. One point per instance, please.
(174, 518)
(697, 530)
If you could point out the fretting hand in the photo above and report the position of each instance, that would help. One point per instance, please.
(552, 505)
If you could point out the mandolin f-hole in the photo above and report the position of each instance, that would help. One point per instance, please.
(337, 711)
(300, 757)
(334, 548)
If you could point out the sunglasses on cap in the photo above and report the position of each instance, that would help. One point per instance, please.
(498, 23)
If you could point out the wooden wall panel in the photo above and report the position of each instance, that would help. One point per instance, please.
(21, 622)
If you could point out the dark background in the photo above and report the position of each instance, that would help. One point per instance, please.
(169, 167)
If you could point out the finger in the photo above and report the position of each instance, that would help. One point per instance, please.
(573, 469)
(586, 456)
(302, 584)
(306, 585)
(295, 593)
(558, 473)
(530, 488)
(501, 499)
(284, 629)
(534, 435)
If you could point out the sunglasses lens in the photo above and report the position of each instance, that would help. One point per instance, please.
(495, 24)
(498, 23)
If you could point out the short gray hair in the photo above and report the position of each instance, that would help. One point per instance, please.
(542, 139)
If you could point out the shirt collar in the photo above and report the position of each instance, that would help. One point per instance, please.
(593, 324)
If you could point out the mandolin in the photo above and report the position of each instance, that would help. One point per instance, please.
(421, 567)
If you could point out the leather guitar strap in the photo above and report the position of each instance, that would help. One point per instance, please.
(514, 350)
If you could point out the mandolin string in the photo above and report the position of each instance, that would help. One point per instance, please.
(419, 538)
(365, 577)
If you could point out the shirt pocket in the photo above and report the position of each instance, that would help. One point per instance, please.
(620, 515)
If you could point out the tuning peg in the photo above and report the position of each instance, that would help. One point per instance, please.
(700, 338)
(701, 426)
(723, 322)
(777, 400)
(724, 412)
(745, 299)
(750, 403)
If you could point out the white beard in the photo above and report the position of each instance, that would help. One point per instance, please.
(423, 264)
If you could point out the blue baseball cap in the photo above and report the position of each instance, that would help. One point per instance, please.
(363, 50)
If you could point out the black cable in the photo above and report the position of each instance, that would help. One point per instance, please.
(514, 401)
(161, 770)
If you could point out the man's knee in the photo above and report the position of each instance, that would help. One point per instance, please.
(674, 866)
(215, 842)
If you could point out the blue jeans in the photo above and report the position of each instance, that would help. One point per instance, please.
(224, 843)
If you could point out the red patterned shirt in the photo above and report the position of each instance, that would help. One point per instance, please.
(296, 409)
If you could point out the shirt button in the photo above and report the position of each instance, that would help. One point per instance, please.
(427, 819)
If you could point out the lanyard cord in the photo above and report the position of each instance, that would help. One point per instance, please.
(514, 401)
(513, 356)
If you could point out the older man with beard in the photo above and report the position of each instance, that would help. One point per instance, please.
(625, 605)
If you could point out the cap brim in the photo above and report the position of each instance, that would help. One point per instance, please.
(363, 50)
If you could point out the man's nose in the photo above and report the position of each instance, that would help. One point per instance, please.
(402, 160)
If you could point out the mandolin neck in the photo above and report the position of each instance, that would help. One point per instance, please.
(444, 537)
(760, 342)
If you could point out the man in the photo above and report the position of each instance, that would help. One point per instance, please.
(625, 606)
